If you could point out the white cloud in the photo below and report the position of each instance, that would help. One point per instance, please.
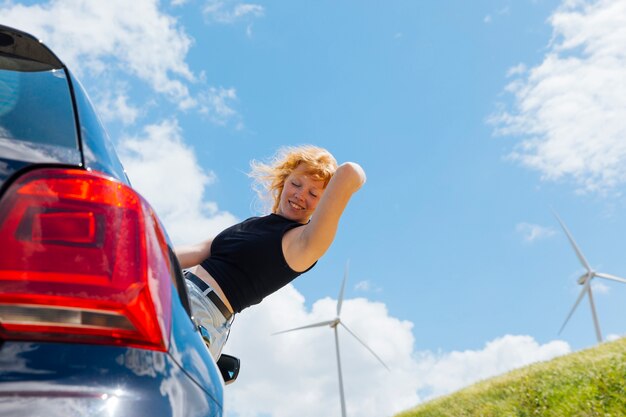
(97, 35)
(278, 369)
(114, 105)
(226, 11)
(516, 70)
(451, 371)
(600, 287)
(302, 364)
(570, 109)
(501, 12)
(363, 286)
(217, 105)
(532, 232)
(613, 337)
(166, 172)
(366, 286)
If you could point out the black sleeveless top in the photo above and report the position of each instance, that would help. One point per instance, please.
(247, 260)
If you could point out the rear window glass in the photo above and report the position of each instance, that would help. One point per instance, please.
(35, 103)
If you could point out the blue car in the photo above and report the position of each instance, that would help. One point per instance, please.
(94, 315)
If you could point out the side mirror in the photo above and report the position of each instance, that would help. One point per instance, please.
(229, 368)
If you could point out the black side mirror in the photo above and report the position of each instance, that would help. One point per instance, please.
(229, 368)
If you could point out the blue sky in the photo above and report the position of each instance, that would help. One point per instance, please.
(471, 119)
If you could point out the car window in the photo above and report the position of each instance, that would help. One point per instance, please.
(98, 149)
(35, 103)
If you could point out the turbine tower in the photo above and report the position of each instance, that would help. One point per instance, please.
(585, 281)
(333, 324)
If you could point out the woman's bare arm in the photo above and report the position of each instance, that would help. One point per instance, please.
(192, 255)
(304, 245)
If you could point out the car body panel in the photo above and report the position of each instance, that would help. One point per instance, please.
(96, 381)
(189, 351)
(18, 156)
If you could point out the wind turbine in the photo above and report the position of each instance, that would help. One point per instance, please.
(333, 324)
(585, 281)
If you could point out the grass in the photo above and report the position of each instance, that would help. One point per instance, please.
(588, 383)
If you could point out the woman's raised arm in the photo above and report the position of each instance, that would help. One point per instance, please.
(304, 245)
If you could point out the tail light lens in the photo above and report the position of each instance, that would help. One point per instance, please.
(83, 258)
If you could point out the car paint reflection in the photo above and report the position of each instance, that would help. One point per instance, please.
(20, 150)
(88, 383)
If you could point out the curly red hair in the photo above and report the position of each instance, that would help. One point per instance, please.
(270, 177)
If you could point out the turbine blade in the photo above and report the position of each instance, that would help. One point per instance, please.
(320, 324)
(580, 297)
(611, 277)
(596, 323)
(579, 254)
(366, 347)
(343, 287)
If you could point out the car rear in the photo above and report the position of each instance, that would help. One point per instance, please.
(94, 318)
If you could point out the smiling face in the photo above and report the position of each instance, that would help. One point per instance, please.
(300, 195)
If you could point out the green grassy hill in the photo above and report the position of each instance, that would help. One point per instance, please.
(586, 383)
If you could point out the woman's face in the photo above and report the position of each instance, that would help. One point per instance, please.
(300, 195)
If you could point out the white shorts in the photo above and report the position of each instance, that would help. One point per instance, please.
(205, 314)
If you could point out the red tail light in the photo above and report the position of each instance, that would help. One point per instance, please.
(82, 258)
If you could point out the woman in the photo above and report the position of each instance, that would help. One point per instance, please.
(252, 259)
